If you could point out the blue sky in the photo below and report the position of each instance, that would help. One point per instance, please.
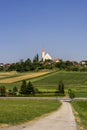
(58, 26)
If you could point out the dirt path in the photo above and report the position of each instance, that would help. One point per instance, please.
(62, 119)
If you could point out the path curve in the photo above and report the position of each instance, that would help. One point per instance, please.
(62, 119)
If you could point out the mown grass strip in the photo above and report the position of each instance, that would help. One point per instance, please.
(20, 111)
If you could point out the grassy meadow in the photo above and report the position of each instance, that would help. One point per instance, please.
(77, 81)
(19, 111)
(81, 114)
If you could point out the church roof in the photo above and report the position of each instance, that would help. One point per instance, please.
(47, 57)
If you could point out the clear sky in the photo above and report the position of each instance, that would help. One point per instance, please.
(58, 26)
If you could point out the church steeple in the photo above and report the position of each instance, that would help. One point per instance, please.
(42, 49)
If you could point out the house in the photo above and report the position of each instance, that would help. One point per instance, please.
(84, 62)
(7, 65)
(56, 60)
(1, 64)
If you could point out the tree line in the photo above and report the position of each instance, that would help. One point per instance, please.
(36, 65)
(27, 89)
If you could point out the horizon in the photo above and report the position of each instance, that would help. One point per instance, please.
(40, 57)
(28, 26)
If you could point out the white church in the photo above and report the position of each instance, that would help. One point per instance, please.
(45, 56)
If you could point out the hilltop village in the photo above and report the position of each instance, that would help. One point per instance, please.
(46, 62)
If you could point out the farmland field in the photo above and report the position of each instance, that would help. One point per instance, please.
(81, 114)
(45, 81)
(77, 81)
(20, 111)
(16, 78)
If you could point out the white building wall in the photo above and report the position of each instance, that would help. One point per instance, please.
(47, 57)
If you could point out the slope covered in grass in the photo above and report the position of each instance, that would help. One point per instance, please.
(77, 81)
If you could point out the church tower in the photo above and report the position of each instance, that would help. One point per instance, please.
(43, 54)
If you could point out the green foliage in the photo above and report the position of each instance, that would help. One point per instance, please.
(61, 87)
(28, 65)
(1, 68)
(27, 88)
(68, 65)
(60, 65)
(36, 59)
(23, 87)
(21, 66)
(30, 89)
(15, 90)
(12, 67)
(48, 66)
(71, 94)
(2, 91)
(36, 66)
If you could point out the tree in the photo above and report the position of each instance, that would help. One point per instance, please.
(36, 59)
(2, 91)
(61, 87)
(15, 90)
(27, 88)
(30, 89)
(28, 65)
(61, 65)
(23, 87)
(12, 67)
(1, 68)
(68, 63)
(36, 65)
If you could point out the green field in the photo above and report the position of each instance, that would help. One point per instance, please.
(81, 114)
(77, 81)
(20, 111)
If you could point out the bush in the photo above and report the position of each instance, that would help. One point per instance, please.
(71, 94)
(2, 91)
